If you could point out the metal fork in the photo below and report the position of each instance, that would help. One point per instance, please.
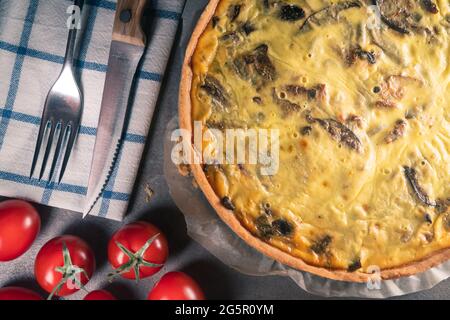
(62, 114)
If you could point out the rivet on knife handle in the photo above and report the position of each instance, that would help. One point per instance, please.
(128, 22)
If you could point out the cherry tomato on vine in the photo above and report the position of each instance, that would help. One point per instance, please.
(19, 226)
(64, 265)
(99, 295)
(137, 251)
(18, 294)
(176, 286)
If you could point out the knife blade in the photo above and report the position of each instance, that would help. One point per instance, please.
(127, 49)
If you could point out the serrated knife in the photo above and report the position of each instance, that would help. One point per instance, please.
(127, 49)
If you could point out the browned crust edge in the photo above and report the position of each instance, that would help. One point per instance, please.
(229, 218)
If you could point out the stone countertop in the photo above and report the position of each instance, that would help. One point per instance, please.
(218, 280)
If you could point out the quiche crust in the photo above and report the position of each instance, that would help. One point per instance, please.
(308, 258)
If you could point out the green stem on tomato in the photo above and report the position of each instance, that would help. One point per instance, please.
(135, 260)
(69, 271)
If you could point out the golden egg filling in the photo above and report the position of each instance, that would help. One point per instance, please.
(360, 94)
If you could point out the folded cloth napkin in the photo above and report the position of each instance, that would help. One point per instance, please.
(33, 35)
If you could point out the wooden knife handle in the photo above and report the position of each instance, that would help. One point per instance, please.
(128, 22)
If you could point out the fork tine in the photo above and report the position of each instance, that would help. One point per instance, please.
(70, 143)
(48, 148)
(37, 150)
(62, 134)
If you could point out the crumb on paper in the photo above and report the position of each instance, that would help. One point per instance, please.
(184, 170)
(148, 193)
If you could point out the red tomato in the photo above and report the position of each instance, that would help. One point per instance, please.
(176, 286)
(99, 295)
(16, 293)
(19, 226)
(137, 246)
(60, 277)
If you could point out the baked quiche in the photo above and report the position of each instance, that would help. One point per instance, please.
(360, 94)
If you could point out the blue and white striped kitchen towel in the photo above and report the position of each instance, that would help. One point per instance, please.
(33, 37)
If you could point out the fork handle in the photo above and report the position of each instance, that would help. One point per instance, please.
(128, 22)
(70, 50)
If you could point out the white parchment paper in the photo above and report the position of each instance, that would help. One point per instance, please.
(205, 227)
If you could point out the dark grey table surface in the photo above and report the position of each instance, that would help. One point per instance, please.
(218, 280)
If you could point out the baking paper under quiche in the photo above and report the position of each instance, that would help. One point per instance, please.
(360, 92)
